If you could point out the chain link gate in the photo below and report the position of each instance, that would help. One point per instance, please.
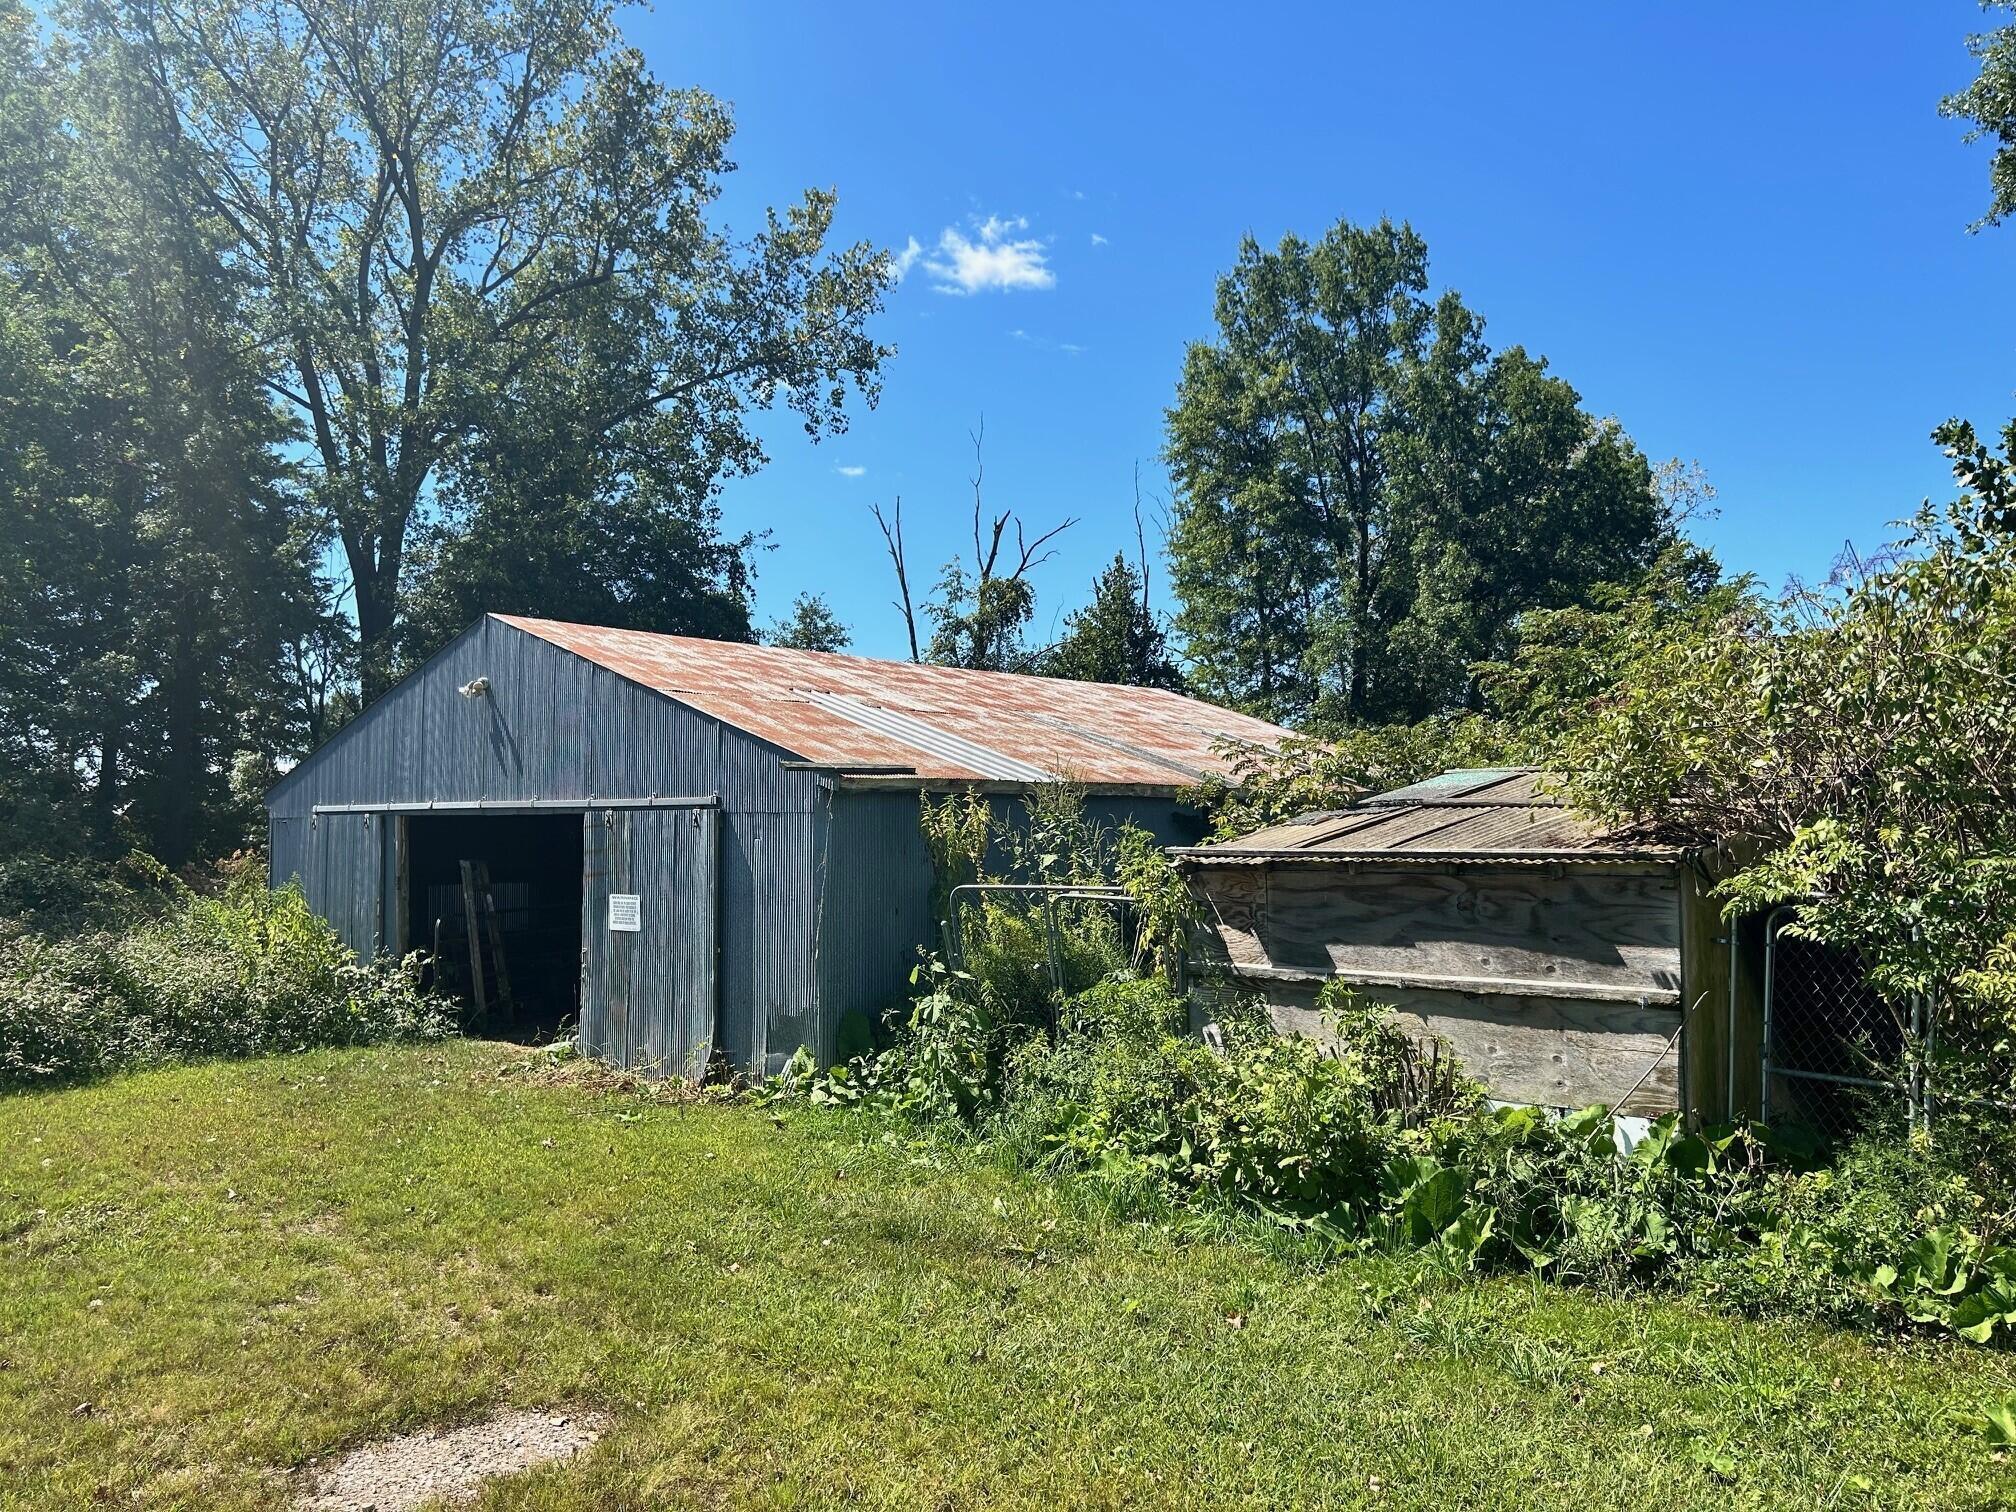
(1833, 1049)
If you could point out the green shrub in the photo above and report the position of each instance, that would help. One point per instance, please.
(46, 893)
(1369, 1141)
(1005, 952)
(250, 972)
(1833, 1231)
(1283, 1124)
(1074, 1053)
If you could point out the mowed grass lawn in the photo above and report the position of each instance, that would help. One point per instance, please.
(240, 1268)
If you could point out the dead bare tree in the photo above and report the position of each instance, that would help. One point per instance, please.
(892, 537)
(976, 619)
(1002, 600)
(1141, 546)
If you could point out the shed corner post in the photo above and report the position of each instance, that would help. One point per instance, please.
(1705, 1091)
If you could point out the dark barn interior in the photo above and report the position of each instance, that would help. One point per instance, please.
(515, 882)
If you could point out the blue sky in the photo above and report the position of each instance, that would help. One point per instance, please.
(1740, 228)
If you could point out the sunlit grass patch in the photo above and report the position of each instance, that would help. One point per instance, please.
(211, 1276)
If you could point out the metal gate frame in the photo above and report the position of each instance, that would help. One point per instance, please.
(1912, 1089)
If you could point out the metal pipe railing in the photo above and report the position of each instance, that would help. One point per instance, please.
(1051, 894)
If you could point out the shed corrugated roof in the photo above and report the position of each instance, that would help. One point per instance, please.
(1476, 814)
(922, 722)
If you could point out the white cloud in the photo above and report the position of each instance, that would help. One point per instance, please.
(906, 259)
(1045, 344)
(1098, 240)
(852, 472)
(993, 258)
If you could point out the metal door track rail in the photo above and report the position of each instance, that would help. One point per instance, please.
(521, 805)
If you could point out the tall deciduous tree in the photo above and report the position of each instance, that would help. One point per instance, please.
(456, 210)
(1368, 496)
(1989, 104)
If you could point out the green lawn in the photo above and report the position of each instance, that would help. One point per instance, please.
(240, 1267)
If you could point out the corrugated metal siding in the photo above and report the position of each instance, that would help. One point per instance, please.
(346, 861)
(767, 907)
(649, 997)
(875, 896)
(286, 851)
(555, 726)
(552, 726)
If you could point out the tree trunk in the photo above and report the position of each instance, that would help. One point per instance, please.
(181, 790)
(1362, 615)
(377, 584)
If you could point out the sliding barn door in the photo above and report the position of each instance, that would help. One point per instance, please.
(649, 901)
(344, 877)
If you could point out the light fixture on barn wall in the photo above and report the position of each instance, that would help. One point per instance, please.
(477, 688)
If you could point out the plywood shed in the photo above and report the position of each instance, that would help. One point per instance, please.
(695, 848)
(1563, 965)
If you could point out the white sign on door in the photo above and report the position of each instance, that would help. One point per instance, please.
(626, 912)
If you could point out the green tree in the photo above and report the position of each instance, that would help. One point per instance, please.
(454, 214)
(1368, 496)
(555, 530)
(155, 554)
(811, 626)
(1989, 103)
(1116, 638)
(1853, 748)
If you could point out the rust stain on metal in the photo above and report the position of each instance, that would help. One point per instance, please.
(936, 723)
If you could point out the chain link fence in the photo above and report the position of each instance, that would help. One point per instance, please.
(1835, 1053)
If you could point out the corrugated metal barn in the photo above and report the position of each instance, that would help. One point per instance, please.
(1563, 965)
(696, 847)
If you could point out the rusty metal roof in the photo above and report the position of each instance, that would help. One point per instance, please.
(1484, 814)
(901, 722)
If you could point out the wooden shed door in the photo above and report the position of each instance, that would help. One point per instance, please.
(648, 926)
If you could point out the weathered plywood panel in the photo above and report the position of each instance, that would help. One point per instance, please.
(1556, 1052)
(1529, 924)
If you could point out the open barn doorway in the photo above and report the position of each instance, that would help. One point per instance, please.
(496, 901)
